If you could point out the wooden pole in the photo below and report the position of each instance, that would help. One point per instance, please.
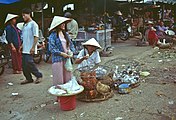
(105, 24)
(42, 18)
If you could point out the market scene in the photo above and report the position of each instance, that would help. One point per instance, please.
(88, 60)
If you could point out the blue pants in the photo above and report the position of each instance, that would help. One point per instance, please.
(29, 67)
(48, 52)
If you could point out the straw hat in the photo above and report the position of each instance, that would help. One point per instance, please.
(57, 20)
(20, 25)
(9, 17)
(92, 42)
(118, 13)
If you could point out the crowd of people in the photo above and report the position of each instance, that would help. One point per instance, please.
(158, 32)
(155, 32)
(63, 31)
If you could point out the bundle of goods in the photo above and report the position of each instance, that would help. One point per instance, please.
(94, 89)
(66, 94)
(104, 74)
(126, 74)
(129, 74)
(67, 89)
(164, 45)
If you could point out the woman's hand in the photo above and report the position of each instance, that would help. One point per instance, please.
(14, 49)
(32, 51)
(65, 55)
(20, 49)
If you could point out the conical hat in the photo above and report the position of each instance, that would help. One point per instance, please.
(9, 17)
(92, 42)
(20, 25)
(57, 20)
(150, 23)
(118, 13)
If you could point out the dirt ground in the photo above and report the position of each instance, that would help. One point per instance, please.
(154, 99)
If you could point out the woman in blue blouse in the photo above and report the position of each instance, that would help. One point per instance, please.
(60, 45)
(14, 41)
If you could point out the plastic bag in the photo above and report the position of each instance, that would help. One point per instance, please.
(145, 73)
(70, 53)
(68, 65)
(71, 85)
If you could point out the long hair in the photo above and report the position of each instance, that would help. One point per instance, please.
(65, 35)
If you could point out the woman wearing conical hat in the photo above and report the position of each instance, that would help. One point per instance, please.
(61, 47)
(14, 41)
(119, 19)
(89, 56)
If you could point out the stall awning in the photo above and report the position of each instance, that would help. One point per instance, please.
(166, 1)
(8, 1)
(161, 1)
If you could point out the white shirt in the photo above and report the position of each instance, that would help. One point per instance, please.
(72, 28)
(29, 31)
(91, 61)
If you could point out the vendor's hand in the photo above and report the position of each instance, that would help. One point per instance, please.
(65, 55)
(85, 57)
(32, 51)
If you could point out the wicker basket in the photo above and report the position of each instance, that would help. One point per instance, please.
(88, 79)
(99, 97)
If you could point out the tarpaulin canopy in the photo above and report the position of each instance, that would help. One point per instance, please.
(161, 1)
(8, 1)
(166, 1)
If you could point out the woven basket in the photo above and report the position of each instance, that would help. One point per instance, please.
(99, 97)
(88, 79)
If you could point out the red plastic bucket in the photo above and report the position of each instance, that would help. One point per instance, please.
(67, 102)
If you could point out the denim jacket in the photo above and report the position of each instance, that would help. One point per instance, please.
(13, 36)
(55, 46)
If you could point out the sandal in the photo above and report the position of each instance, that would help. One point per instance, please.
(17, 72)
(38, 80)
(26, 82)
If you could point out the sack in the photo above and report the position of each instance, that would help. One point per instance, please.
(68, 65)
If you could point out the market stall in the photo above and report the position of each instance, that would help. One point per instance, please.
(102, 36)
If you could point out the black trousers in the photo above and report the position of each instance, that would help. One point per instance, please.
(29, 67)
